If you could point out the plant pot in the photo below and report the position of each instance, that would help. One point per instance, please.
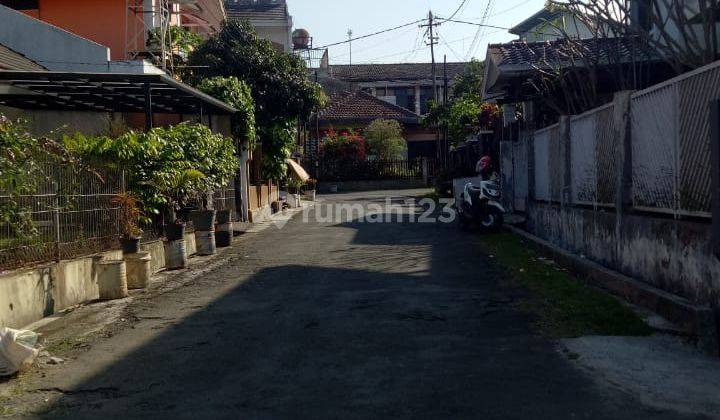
(310, 195)
(130, 245)
(293, 200)
(185, 213)
(175, 231)
(223, 217)
(204, 220)
(112, 280)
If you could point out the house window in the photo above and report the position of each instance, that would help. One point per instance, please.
(380, 92)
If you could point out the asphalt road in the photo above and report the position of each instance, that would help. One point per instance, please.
(334, 320)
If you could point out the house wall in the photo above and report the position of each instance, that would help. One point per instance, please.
(280, 35)
(565, 25)
(56, 47)
(100, 21)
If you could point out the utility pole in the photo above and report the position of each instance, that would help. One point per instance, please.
(349, 34)
(434, 40)
(446, 145)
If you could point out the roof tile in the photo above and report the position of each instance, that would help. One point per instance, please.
(361, 106)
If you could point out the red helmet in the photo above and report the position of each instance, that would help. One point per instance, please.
(485, 162)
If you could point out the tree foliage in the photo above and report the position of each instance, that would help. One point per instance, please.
(178, 40)
(237, 94)
(166, 166)
(24, 160)
(279, 83)
(470, 81)
(277, 147)
(465, 113)
(384, 139)
(684, 33)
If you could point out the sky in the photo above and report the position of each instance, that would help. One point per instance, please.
(329, 20)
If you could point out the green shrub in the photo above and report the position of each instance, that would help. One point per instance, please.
(166, 166)
(237, 94)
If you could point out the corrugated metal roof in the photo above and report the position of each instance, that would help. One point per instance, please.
(11, 60)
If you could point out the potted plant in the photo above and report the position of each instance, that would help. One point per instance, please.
(310, 189)
(294, 190)
(130, 215)
(176, 188)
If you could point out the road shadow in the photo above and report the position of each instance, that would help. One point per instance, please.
(395, 320)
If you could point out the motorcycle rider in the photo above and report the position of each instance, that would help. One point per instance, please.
(484, 168)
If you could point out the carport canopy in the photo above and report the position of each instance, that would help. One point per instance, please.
(105, 92)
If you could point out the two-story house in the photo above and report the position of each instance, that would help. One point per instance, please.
(270, 18)
(123, 26)
(408, 85)
(549, 24)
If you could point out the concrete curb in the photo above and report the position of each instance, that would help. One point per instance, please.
(698, 321)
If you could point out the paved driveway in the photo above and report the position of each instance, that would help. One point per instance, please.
(334, 320)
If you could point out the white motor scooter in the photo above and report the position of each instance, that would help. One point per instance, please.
(480, 206)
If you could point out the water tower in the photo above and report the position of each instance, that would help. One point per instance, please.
(301, 39)
(303, 48)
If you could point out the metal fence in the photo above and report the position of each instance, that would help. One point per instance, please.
(671, 143)
(69, 213)
(224, 199)
(593, 157)
(670, 151)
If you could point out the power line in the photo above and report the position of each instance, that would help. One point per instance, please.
(458, 9)
(442, 39)
(373, 34)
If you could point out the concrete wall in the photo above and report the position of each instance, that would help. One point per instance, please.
(29, 295)
(50, 46)
(280, 35)
(672, 255)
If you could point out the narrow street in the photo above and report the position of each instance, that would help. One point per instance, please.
(322, 320)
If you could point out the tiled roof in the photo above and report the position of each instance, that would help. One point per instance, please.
(359, 106)
(260, 10)
(596, 50)
(388, 72)
(11, 60)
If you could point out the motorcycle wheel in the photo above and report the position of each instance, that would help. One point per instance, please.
(492, 222)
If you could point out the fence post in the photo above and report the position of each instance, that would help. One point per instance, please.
(530, 147)
(56, 216)
(425, 174)
(622, 119)
(565, 145)
(715, 169)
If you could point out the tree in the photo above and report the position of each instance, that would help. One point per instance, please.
(465, 112)
(684, 33)
(237, 94)
(625, 38)
(384, 140)
(278, 81)
(470, 81)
